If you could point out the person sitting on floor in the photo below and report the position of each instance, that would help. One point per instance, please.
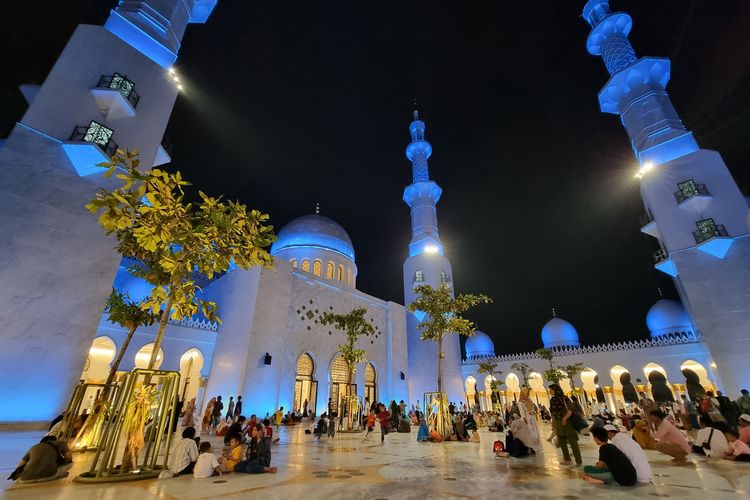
(711, 441)
(262, 461)
(47, 460)
(737, 450)
(633, 451)
(517, 438)
(744, 422)
(185, 453)
(642, 435)
(403, 424)
(232, 457)
(236, 429)
(206, 465)
(613, 465)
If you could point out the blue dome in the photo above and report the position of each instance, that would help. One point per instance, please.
(668, 316)
(314, 231)
(559, 333)
(479, 344)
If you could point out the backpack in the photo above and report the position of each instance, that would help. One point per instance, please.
(498, 446)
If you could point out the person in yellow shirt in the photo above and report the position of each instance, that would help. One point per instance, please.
(230, 458)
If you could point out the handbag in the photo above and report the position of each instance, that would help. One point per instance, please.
(706, 445)
(579, 423)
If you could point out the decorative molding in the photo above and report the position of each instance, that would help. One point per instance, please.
(196, 324)
(676, 338)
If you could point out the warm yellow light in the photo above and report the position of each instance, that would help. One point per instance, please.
(179, 87)
(644, 168)
(713, 365)
(430, 249)
(174, 77)
(171, 71)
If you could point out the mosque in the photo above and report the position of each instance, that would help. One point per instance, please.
(119, 84)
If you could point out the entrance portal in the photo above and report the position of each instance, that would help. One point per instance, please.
(305, 387)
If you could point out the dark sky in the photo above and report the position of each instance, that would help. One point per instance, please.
(289, 103)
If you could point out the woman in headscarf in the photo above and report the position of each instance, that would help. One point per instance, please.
(188, 420)
(424, 432)
(518, 438)
(528, 414)
(563, 425)
(206, 422)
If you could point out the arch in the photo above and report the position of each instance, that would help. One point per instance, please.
(340, 384)
(371, 382)
(340, 275)
(654, 367)
(536, 382)
(661, 389)
(144, 354)
(101, 354)
(513, 386)
(306, 266)
(191, 364)
(698, 369)
(317, 267)
(305, 385)
(294, 263)
(329, 270)
(616, 374)
(588, 379)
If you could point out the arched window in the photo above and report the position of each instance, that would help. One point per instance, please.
(329, 270)
(340, 276)
(305, 386)
(349, 276)
(419, 277)
(306, 265)
(294, 262)
(143, 356)
(317, 267)
(445, 277)
(370, 383)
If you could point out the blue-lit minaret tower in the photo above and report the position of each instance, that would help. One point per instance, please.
(426, 264)
(111, 88)
(692, 205)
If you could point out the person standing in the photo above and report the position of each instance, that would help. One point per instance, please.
(384, 417)
(727, 409)
(563, 425)
(208, 415)
(230, 408)
(370, 424)
(238, 407)
(528, 414)
(304, 408)
(188, 420)
(216, 414)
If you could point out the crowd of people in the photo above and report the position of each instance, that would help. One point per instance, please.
(710, 425)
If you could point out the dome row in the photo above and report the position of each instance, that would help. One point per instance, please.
(664, 317)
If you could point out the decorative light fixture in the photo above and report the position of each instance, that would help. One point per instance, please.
(643, 169)
(430, 249)
(176, 79)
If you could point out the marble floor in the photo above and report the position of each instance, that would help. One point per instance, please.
(349, 468)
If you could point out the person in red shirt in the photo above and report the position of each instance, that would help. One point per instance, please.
(384, 416)
(370, 423)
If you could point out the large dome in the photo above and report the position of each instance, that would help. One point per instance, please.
(559, 333)
(668, 316)
(314, 231)
(479, 344)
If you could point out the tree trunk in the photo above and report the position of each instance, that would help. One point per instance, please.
(441, 404)
(116, 363)
(160, 333)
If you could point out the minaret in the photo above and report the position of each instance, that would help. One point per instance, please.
(111, 87)
(692, 205)
(426, 265)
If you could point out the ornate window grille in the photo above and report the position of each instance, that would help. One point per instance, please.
(122, 84)
(688, 189)
(445, 278)
(98, 134)
(660, 255)
(708, 229)
(419, 277)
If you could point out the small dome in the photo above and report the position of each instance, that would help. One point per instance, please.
(479, 344)
(316, 231)
(559, 333)
(668, 316)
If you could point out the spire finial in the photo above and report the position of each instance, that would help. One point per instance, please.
(317, 207)
(554, 313)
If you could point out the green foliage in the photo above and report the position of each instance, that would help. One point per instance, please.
(553, 375)
(490, 367)
(443, 311)
(524, 369)
(354, 325)
(172, 239)
(126, 313)
(546, 354)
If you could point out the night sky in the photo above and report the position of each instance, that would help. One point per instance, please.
(292, 103)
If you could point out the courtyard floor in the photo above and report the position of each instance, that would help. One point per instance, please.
(349, 468)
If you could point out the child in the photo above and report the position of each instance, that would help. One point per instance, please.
(207, 465)
(322, 426)
(737, 450)
(613, 466)
(370, 423)
(233, 456)
(332, 425)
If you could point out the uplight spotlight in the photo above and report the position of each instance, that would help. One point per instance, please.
(644, 168)
(430, 249)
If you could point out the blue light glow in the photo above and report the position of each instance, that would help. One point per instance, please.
(718, 247)
(140, 40)
(667, 266)
(314, 231)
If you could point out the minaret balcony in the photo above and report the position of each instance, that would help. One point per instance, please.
(88, 146)
(664, 263)
(712, 238)
(692, 196)
(116, 96)
(648, 225)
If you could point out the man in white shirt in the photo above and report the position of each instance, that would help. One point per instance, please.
(633, 451)
(714, 439)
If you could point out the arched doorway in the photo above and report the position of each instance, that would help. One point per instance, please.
(538, 393)
(191, 364)
(696, 379)
(305, 385)
(101, 354)
(143, 356)
(371, 378)
(589, 380)
(470, 384)
(512, 387)
(341, 386)
(660, 387)
(490, 396)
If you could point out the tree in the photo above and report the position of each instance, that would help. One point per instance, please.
(552, 374)
(172, 239)
(571, 371)
(490, 367)
(524, 369)
(442, 318)
(129, 315)
(354, 325)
